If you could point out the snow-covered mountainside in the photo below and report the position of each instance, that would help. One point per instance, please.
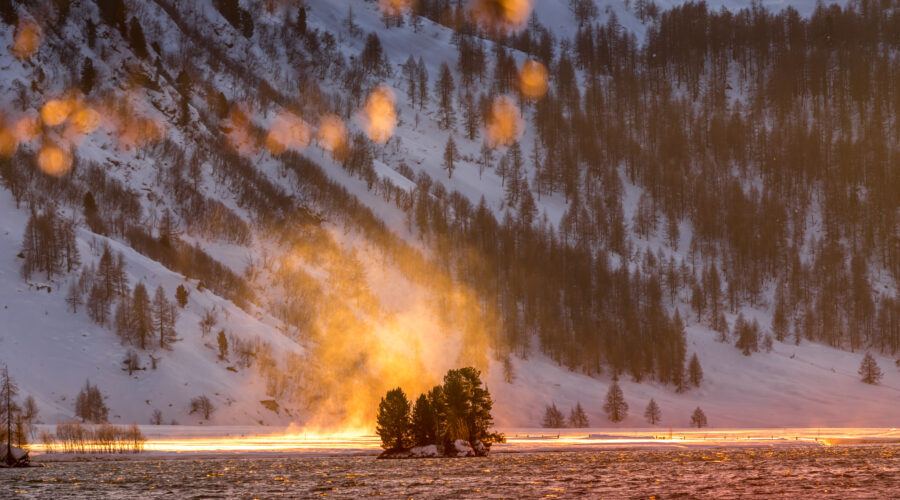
(340, 231)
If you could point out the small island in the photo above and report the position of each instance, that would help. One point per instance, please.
(452, 420)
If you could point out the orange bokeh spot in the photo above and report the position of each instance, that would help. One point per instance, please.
(533, 79)
(54, 160)
(332, 135)
(27, 39)
(288, 131)
(501, 15)
(8, 142)
(27, 129)
(56, 111)
(379, 116)
(394, 7)
(504, 124)
(85, 120)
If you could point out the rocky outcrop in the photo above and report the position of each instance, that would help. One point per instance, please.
(13, 457)
(459, 449)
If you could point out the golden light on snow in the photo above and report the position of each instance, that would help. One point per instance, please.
(27, 39)
(502, 15)
(504, 124)
(332, 136)
(288, 131)
(379, 116)
(56, 111)
(54, 160)
(140, 132)
(28, 128)
(394, 7)
(533, 79)
(8, 142)
(238, 131)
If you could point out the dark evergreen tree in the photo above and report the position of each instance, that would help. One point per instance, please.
(136, 38)
(393, 424)
(615, 406)
(181, 296)
(424, 422)
(89, 405)
(652, 413)
(223, 345)
(451, 154)
(553, 418)
(578, 418)
(444, 87)
(698, 418)
(695, 372)
(869, 370)
(87, 76)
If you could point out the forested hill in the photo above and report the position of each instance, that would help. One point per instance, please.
(358, 195)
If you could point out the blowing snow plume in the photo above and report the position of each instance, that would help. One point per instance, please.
(374, 318)
(378, 117)
(505, 124)
(500, 15)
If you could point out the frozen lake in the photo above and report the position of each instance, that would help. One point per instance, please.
(866, 471)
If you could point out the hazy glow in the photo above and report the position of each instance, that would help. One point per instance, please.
(288, 131)
(8, 142)
(332, 136)
(27, 38)
(54, 160)
(505, 124)
(394, 7)
(238, 131)
(379, 116)
(85, 120)
(502, 15)
(533, 79)
(28, 128)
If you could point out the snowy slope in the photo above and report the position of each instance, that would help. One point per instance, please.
(51, 351)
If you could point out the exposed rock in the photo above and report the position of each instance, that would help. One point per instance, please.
(13, 457)
(460, 449)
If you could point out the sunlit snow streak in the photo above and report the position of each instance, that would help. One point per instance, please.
(533, 79)
(501, 15)
(379, 116)
(505, 124)
(530, 440)
(27, 38)
(332, 136)
(288, 131)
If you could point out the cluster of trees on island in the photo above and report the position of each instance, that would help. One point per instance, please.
(457, 410)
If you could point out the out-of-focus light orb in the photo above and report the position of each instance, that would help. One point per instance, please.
(8, 142)
(85, 120)
(54, 160)
(533, 79)
(332, 136)
(501, 15)
(394, 7)
(27, 128)
(27, 38)
(379, 116)
(56, 111)
(504, 124)
(288, 131)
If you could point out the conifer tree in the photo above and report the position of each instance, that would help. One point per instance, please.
(615, 407)
(136, 38)
(869, 370)
(695, 372)
(652, 413)
(87, 76)
(698, 418)
(553, 418)
(424, 423)
(451, 154)
(393, 424)
(577, 417)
